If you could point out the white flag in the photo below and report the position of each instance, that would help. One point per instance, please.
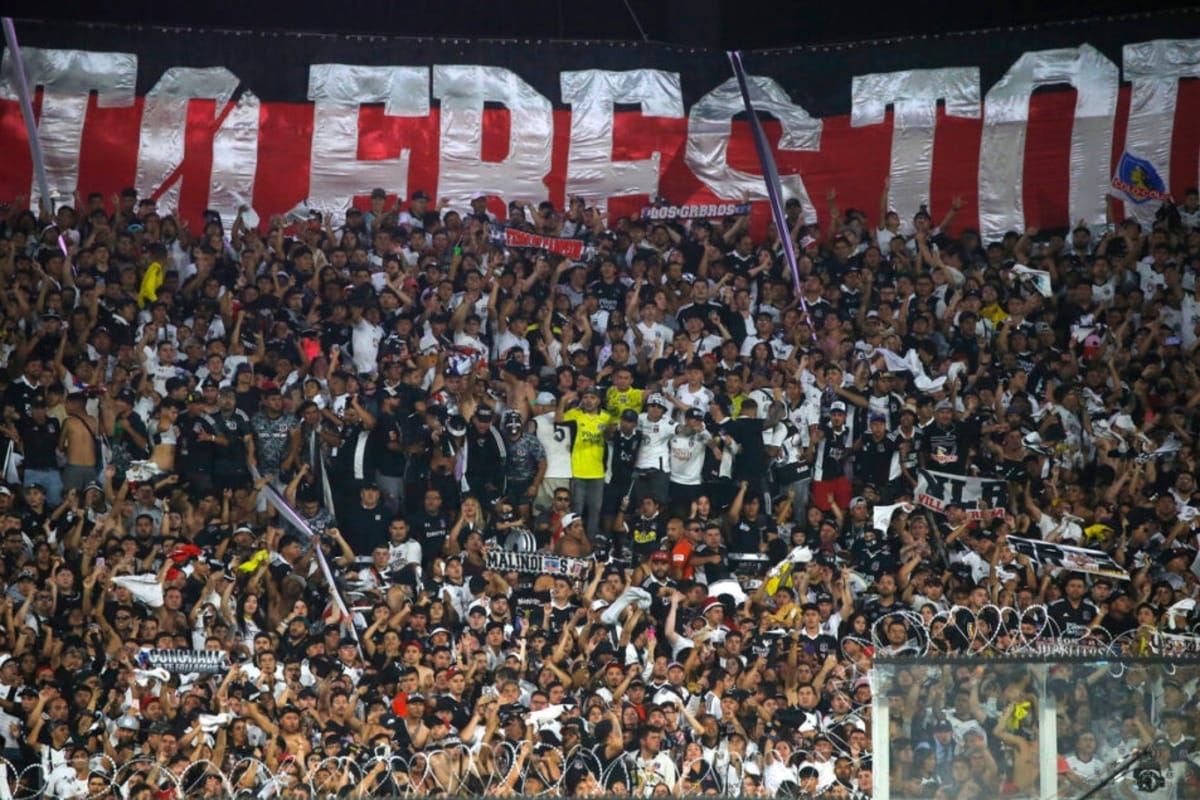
(897, 363)
(1040, 278)
(145, 588)
(882, 515)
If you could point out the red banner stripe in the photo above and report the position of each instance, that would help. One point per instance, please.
(852, 160)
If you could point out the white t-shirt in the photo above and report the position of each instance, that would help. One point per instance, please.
(1088, 770)
(687, 457)
(556, 441)
(364, 341)
(698, 398)
(654, 452)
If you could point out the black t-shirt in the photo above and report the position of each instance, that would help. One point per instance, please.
(388, 429)
(1071, 621)
(193, 455)
(716, 571)
(611, 295)
(40, 442)
(622, 454)
(235, 428)
(19, 394)
(873, 462)
(646, 534)
(431, 531)
(820, 645)
(751, 461)
(364, 528)
(748, 534)
(945, 447)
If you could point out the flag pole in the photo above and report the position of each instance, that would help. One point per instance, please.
(26, 98)
(771, 181)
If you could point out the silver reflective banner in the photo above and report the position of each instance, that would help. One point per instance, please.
(592, 172)
(1002, 149)
(462, 91)
(338, 91)
(66, 78)
(914, 94)
(165, 126)
(710, 124)
(1154, 69)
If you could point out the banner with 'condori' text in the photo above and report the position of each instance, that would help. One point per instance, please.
(1028, 126)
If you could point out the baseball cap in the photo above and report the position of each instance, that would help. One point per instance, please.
(837, 406)
(592, 390)
(657, 399)
(693, 413)
(944, 404)
(570, 519)
(545, 399)
(660, 556)
(629, 415)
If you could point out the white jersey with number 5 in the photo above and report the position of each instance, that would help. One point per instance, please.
(556, 439)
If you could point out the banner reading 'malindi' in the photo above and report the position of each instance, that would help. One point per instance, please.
(1029, 127)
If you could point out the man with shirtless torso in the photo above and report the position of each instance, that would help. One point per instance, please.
(81, 442)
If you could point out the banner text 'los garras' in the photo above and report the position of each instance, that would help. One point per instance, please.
(1027, 127)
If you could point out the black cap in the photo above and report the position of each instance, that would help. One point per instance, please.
(629, 415)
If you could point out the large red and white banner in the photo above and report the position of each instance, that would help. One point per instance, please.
(1026, 126)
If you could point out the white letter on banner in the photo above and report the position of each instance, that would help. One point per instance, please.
(235, 158)
(1154, 69)
(710, 124)
(164, 134)
(67, 77)
(914, 94)
(1002, 150)
(337, 92)
(463, 90)
(591, 171)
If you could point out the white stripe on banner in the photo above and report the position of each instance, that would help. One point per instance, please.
(981, 498)
(1079, 559)
(535, 563)
(181, 662)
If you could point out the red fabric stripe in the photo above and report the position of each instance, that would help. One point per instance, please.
(1185, 144)
(1048, 156)
(852, 160)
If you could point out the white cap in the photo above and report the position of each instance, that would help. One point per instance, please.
(657, 399)
(570, 519)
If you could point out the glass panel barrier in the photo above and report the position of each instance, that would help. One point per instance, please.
(1052, 728)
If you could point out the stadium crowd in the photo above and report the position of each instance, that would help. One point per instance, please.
(465, 518)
